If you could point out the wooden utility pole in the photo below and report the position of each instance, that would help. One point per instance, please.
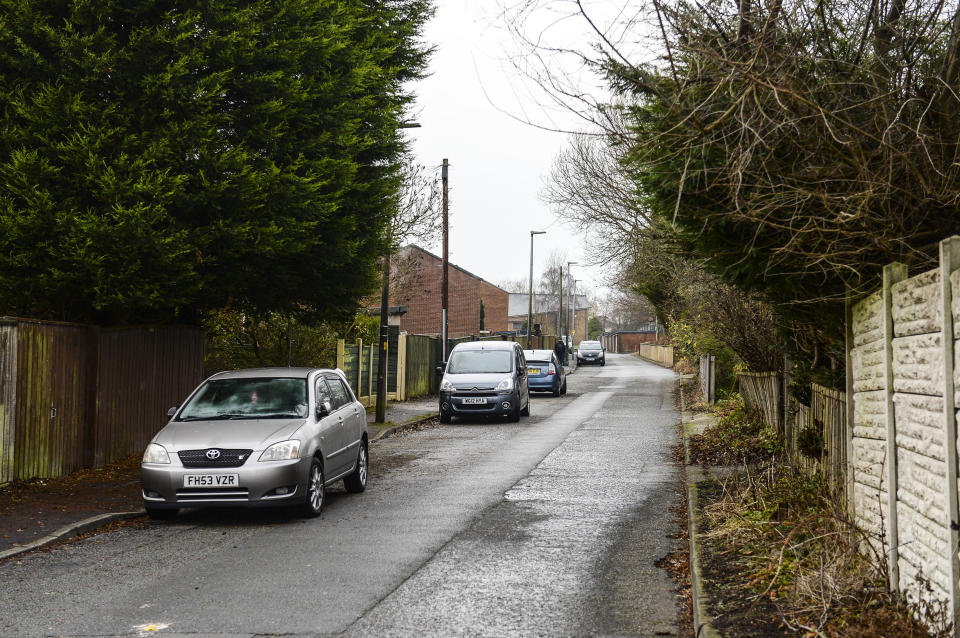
(384, 341)
(446, 260)
(559, 332)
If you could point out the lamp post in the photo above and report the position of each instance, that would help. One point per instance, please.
(573, 304)
(384, 336)
(570, 345)
(445, 285)
(530, 300)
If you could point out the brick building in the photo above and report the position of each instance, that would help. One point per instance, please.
(415, 303)
(545, 313)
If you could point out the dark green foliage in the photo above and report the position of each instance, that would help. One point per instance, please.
(594, 328)
(238, 340)
(158, 159)
(810, 440)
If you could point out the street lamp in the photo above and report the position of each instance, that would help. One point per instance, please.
(569, 325)
(573, 304)
(530, 300)
(384, 335)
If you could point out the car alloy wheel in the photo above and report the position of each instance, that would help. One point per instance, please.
(316, 491)
(357, 482)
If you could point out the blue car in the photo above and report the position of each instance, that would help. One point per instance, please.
(545, 372)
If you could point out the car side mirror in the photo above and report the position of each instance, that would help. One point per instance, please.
(441, 368)
(324, 409)
(172, 411)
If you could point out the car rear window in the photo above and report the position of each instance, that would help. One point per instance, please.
(538, 356)
(480, 361)
(590, 345)
(247, 398)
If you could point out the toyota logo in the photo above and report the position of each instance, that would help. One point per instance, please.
(213, 455)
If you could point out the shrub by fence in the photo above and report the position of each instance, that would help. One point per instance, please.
(891, 439)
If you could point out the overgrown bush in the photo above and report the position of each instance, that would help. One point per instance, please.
(738, 436)
(810, 440)
(238, 339)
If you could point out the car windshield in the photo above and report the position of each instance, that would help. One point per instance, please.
(590, 345)
(249, 398)
(480, 361)
(537, 355)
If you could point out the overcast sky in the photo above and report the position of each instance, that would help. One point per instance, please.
(498, 165)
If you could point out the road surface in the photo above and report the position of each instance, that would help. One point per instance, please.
(547, 527)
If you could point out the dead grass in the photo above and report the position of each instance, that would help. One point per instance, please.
(783, 550)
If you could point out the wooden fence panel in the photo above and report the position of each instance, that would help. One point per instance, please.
(761, 392)
(658, 354)
(142, 373)
(828, 411)
(421, 364)
(52, 394)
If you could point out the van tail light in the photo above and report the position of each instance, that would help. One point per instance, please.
(552, 370)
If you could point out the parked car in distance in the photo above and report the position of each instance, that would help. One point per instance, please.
(484, 378)
(545, 372)
(591, 352)
(262, 437)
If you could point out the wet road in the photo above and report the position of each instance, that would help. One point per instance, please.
(548, 527)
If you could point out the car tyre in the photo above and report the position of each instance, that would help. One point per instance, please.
(603, 362)
(557, 392)
(526, 411)
(445, 417)
(316, 495)
(515, 413)
(357, 482)
(563, 388)
(161, 513)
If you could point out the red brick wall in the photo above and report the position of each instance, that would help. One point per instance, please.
(495, 303)
(629, 342)
(580, 325)
(421, 293)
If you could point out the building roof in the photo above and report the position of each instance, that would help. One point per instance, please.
(520, 303)
(450, 264)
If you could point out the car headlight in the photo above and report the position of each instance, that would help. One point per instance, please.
(156, 454)
(506, 384)
(282, 451)
(446, 386)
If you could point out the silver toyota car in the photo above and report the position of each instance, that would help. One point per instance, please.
(258, 438)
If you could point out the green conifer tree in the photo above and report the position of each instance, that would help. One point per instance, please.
(161, 158)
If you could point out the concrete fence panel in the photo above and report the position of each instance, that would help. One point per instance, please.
(904, 382)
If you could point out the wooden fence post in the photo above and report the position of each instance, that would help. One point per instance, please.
(340, 353)
(949, 260)
(359, 385)
(8, 399)
(402, 367)
(892, 273)
(370, 374)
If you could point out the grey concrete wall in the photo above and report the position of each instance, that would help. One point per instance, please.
(913, 361)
